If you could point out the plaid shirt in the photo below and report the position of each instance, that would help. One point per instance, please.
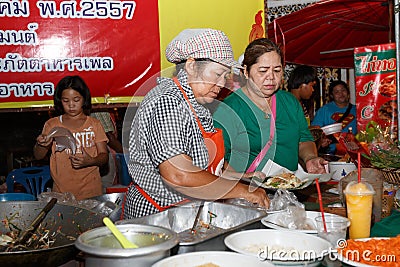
(163, 127)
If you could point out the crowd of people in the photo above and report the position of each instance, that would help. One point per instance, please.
(179, 149)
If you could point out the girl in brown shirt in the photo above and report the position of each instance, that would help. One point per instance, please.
(75, 173)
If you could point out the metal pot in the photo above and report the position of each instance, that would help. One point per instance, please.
(67, 222)
(101, 248)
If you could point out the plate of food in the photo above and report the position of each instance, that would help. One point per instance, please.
(287, 181)
(279, 177)
(367, 252)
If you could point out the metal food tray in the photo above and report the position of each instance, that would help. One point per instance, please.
(220, 217)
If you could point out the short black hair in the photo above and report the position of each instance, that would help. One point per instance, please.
(301, 74)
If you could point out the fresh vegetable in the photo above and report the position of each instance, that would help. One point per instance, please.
(372, 130)
(385, 159)
(384, 151)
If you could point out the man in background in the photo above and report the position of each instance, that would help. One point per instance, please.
(339, 110)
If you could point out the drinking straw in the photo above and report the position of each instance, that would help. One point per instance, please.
(321, 206)
(359, 166)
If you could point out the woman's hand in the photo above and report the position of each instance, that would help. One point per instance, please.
(316, 165)
(308, 153)
(259, 197)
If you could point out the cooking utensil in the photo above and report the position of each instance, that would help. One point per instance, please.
(196, 219)
(63, 223)
(125, 243)
(229, 218)
(25, 235)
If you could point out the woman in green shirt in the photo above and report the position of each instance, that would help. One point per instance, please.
(260, 117)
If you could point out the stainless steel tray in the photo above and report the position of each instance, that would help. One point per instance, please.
(220, 218)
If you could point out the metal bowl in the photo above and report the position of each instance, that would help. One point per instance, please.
(101, 248)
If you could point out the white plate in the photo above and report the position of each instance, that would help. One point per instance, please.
(332, 128)
(355, 263)
(272, 219)
(271, 169)
(220, 258)
(291, 248)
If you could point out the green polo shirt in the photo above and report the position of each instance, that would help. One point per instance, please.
(246, 130)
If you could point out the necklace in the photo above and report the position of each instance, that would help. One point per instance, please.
(262, 103)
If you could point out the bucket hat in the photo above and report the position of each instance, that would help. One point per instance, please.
(201, 43)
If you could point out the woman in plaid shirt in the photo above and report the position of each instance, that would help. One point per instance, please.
(175, 153)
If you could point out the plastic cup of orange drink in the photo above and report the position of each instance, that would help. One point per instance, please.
(359, 198)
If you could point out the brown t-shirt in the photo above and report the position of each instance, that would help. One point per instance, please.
(82, 183)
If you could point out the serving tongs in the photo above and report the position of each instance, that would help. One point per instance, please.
(196, 219)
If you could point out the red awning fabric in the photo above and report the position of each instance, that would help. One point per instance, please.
(333, 27)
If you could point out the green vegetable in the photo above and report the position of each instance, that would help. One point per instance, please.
(275, 184)
(372, 130)
(383, 159)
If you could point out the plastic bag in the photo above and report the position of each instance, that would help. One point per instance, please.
(283, 199)
(65, 198)
(293, 215)
(64, 139)
(68, 198)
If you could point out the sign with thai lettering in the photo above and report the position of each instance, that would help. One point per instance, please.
(114, 45)
(376, 93)
(111, 44)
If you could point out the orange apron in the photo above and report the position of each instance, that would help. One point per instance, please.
(214, 142)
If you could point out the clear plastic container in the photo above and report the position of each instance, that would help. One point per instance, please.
(375, 178)
(359, 200)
